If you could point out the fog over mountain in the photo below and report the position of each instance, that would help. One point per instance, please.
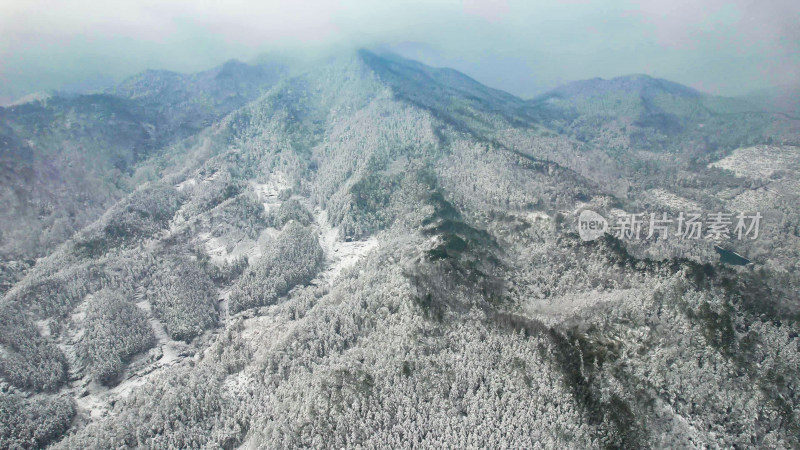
(351, 248)
(526, 48)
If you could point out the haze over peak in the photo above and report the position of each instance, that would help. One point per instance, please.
(524, 48)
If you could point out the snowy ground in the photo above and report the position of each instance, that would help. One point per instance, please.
(263, 328)
(221, 250)
(761, 161)
(171, 350)
(269, 192)
(555, 310)
(339, 254)
(670, 200)
(753, 200)
(93, 399)
(186, 185)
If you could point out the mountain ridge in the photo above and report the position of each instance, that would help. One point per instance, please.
(382, 254)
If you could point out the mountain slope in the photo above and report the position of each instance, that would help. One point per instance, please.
(784, 99)
(459, 100)
(65, 160)
(381, 254)
(187, 103)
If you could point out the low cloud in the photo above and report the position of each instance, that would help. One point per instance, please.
(523, 47)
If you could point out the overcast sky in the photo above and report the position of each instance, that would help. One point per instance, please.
(523, 47)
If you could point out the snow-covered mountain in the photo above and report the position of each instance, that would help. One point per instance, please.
(380, 254)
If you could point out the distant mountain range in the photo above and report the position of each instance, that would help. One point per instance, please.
(784, 99)
(651, 113)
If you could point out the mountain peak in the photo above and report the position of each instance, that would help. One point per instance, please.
(639, 84)
(438, 89)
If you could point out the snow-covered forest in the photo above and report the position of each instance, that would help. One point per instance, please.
(375, 253)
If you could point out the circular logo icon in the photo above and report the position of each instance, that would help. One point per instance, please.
(591, 225)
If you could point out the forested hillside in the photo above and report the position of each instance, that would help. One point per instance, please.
(65, 159)
(380, 254)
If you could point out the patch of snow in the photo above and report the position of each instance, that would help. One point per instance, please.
(339, 254)
(269, 192)
(264, 331)
(217, 247)
(185, 185)
(171, 350)
(753, 200)
(557, 309)
(536, 216)
(95, 400)
(673, 201)
(615, 214)
(760, 162)
(69, 341)
(39, 96)
(224, 311)
(92, 405)
(44, 327)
